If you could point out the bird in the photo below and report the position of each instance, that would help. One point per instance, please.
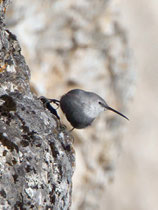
(82, 107)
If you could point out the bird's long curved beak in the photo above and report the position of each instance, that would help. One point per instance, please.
(113, 110)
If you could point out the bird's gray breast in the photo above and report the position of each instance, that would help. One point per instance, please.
(73, 107)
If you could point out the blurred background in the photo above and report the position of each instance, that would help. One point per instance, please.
(136, 183)
(108, 47)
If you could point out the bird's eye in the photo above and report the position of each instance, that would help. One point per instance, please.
(100, 103)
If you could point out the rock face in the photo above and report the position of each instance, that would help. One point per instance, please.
(80, 44)
(36, 155)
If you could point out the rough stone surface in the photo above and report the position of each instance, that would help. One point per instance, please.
(36, 154)
(80, 44)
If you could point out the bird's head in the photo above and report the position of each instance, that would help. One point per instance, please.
(96, 105)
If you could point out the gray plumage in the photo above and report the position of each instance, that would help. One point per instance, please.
(81, 107)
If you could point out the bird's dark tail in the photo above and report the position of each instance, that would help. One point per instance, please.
(55, 101)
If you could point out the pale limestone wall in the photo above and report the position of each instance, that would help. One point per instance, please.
(136, 177)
